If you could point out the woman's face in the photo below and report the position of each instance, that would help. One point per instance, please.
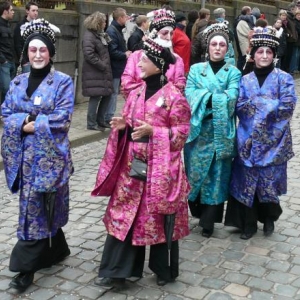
(217, 48)
(38, 54)
(103, 25)
(147, 67)
(263, 57)
(283, 17)
(164, 36)
(278, 24)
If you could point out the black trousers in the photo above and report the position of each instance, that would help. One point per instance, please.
(124, 260)
(31, 256)
(246, 218)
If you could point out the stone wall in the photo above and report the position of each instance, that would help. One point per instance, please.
(69, 54)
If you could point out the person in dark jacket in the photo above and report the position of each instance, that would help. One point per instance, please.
(32, 12)
(294, 64)
(282, 42)
(135, 41)
(192, 17)
(96, 70)
(7, 64)
(118, 56)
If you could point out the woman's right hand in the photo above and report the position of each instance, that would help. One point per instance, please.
(29, 127)
(118, 123)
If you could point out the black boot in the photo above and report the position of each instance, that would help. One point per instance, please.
(207, 232)
(268, 227)
(22, 281)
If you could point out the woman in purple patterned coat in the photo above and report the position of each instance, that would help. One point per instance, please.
(265, 107)
(36, 154)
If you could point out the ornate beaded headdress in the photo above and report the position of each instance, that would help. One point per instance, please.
(216, 29)
(160, 56)
(161, 19)
(264, 37)
(40, 26)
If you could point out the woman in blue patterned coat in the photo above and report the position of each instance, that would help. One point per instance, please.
(36, 154)
(212, 91)
(265, 107)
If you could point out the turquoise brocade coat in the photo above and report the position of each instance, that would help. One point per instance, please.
(211, 144)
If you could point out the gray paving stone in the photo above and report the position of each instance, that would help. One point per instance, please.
(256, 271)
(285, 290)
(213, 283)
(280, 277)
(212, 271)
(207, 259)
(191, 266)
(236, 278)
(148, 293)
(70, 273)
(72, 261)
(87, 255)
(262, 295)
(69, 286)
(48, 282)
(255, 259)
(230, 265)
(67, 297)
(4, 284)
(219, 296)
(276, 265)
(91, 292)
(260, 284)
(233, 255)
(196, 292)
(42, 293)
(192, 279)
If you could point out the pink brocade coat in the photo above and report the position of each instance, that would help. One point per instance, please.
(142, 205)
(131, 78)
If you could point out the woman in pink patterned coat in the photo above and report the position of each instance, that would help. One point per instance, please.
(153, 128)
(161, 30)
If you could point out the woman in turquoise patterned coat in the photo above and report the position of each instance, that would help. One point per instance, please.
(212, 91)
(265, 107)
(36, 155)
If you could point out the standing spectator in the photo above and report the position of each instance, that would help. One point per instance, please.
(212, 91)
(280, 34)
(32, 12)
(264, 108)
(118, 56)
(243, 25)
(135, 41)
(181, 42)
(289, 26)
(161, 30)
(294, 65)
(7, 64)
(201, 22)
(97, 80)
(153, 129)
(36, 153)
(192, 17)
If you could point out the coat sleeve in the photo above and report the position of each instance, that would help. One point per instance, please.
(114, 45)
(130, 79)
(89, 51)
(18, 41)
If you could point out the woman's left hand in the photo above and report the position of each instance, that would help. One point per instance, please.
(144, 129)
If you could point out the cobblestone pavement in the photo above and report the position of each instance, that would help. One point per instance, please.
(223, 267)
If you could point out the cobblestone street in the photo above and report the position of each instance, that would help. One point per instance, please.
(222, 267)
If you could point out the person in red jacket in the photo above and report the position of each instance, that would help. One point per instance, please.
(181, 42)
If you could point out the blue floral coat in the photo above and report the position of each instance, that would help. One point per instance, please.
(38, 163)
(264, 137)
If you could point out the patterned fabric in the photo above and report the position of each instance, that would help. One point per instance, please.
(141, 205)
(39, 162)
(211, 143)
(264, 137)
(131, 78)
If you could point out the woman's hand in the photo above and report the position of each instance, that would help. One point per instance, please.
(144, 129)
(29, 127)
(118, 123)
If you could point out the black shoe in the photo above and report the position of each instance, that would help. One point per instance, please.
(247, 235)
(207, 232)
(162, 282)
(97, 128)
(105, 125)
(109, 283)
(22, 281)
(268, 227)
